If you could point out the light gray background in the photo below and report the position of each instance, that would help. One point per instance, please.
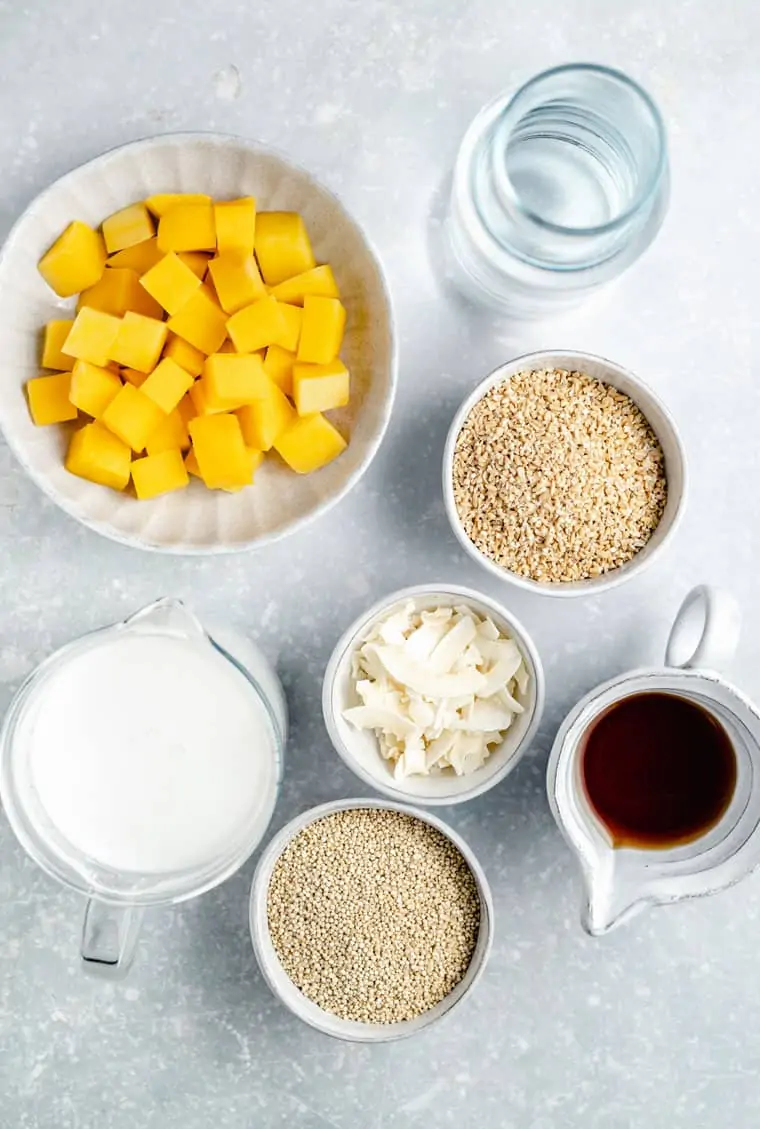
(657, 1025)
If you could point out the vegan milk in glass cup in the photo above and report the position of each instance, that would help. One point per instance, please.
(556, 190)
(140, 766)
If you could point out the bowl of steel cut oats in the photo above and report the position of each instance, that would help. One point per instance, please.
(564, 474)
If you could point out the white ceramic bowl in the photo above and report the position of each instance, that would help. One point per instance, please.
(196, 520)
(662, 424)
(359, 748)
(284, 988)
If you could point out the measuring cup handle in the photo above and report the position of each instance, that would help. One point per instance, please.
(109, 939)
(706, 630)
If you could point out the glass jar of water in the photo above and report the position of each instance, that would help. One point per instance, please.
(556, 190)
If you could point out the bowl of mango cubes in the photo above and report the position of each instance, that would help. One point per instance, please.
(198, 345)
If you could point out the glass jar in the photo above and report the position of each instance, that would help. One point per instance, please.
(556, 190)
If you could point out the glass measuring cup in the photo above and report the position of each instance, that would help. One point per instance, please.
(621, 881)
(557, 189)
(118, 896)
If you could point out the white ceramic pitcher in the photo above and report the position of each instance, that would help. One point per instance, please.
(621, 881)
(116, 898)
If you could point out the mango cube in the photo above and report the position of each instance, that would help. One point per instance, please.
(201, 322)
(92, 336)
(117, 291)
(167, 384)
(324, 320)
(171, 283)
(93, 388)
(54, 336)
(264, 419)
(234, 379)
(235, 225)
(319, 281)
(255, 458)
(221, 453)
(138, 342)
(49, 398)
(293, 316)
(186, 409)
(191, 464)
(75, 261)
(163, 202)
(126, 227)
(185, 354)
(197, 261)
(278, 365)
(236, 280)
(133, 417)
(140, 258)
(159, 474)
(170, 435)
(282, 246)
(187, 227)
(132, 376)
(309, 444)
(318, 388)
(255, 326)
(97, 455)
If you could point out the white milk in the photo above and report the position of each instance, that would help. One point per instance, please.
(149, 753)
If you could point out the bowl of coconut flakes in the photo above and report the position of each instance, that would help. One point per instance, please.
(434, 694)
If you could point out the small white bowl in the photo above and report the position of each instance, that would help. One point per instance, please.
(283, 987)
(662, 424)
(196, 520)
(359, 748)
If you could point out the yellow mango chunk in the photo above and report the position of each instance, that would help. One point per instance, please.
(133, 417)
(282, 246)
(187, 227)
(92, 336)
(291, 336)
(232, 379)
(236, 280)
(117, 291)
(319, 281)
(197, 261)
(278, 365)
(75, 261)
(163, 202)
(201, 321)
(324, 320)
(93, 388)
(221, 453)
(139, 258)
(167, 384)
(133, 377)
(127, 227)
(255, 458)
(235, 225)
(49, 398)
(191, 464)
(309, 443)
(97, 455)
(185, 354)
(318, 388)
(138, 342)
(170, 435)
(171, 283)
(256, 326)
(186, 409)
(54, 336)
(159, 474)
(265, 419)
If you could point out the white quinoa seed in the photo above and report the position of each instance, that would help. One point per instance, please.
(374, 914)
(558, 476)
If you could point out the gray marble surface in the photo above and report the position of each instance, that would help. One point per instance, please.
(659, 1024)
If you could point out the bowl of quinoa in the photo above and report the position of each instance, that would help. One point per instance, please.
(370, 920)
(563, 473)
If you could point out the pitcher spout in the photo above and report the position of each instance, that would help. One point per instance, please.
(612, 896)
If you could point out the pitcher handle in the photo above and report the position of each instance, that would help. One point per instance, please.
(109, 939)
(705, 633)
